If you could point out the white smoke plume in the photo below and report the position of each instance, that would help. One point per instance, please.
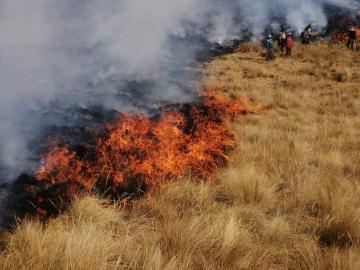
(54, 49)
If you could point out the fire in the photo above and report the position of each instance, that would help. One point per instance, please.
(146, 152)
(64, 165)
(340, 36)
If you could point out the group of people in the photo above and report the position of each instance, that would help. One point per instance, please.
(285, 41)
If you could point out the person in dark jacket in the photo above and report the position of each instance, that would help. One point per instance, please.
(269, 48)
(306, 35)
(352, 38)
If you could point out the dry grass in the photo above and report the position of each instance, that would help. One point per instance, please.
(289, 200)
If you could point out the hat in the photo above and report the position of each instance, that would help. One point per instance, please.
(289, 34)
(269, 36)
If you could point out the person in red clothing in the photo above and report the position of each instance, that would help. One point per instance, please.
(289, 43)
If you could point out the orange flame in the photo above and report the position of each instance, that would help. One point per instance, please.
(191, 140)
(340, 36)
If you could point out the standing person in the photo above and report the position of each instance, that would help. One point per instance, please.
(306, 35)
(289, 43)
(269, 48)
(281, 41)
(352, 38)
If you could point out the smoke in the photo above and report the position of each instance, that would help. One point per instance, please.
(234, 18)
(56, 55)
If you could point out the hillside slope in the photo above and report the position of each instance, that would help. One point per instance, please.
(288, 200)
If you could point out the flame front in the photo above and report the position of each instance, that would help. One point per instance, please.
(340, 36)
(180, 142)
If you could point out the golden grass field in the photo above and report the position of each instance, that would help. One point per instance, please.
(290, 198)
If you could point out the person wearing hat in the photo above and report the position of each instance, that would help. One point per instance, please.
(269, 48)
(352, 38)
(289, 43)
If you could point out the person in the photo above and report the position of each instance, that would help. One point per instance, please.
(281, 41)
(306, 35)
(352, 38)
(289, 44)
(269, 48)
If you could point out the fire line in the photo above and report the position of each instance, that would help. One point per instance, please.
(138, 153)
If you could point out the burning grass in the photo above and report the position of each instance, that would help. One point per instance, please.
(136, 153)
(339, 36)
(193, 139)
